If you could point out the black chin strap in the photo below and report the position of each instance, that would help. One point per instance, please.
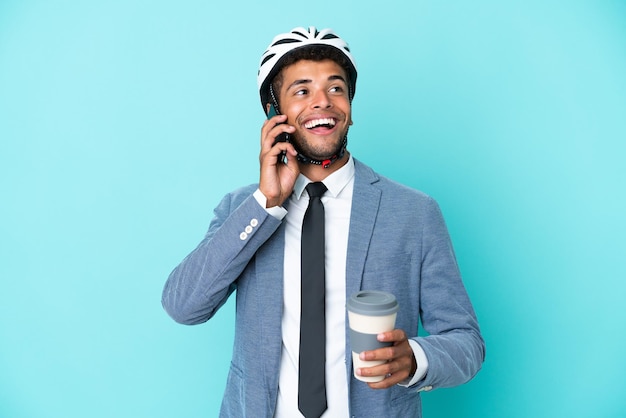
(308, 160)
(327, 162)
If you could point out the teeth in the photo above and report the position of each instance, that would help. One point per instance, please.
(317, 122)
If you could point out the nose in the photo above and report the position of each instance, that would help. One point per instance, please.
(321, 100)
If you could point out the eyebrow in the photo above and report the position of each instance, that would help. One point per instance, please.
(306, 80)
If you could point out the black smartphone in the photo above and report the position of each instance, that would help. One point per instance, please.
(283, 137)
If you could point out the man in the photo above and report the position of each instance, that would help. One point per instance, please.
(379, 235)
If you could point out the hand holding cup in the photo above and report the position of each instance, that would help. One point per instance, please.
(370, 313)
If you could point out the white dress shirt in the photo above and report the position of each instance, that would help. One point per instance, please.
(337, 205)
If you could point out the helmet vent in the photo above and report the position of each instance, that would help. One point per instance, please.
(300, 33)
(266, 59)
(286, 41)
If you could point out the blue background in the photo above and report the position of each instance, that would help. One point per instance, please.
(122, 123)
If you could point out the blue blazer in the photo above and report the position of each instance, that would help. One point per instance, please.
(398, 242)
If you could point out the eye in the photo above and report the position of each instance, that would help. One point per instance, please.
(337, 89)
(301, 92)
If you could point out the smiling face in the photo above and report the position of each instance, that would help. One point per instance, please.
(314, 96)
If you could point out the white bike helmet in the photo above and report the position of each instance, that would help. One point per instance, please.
(284, 44)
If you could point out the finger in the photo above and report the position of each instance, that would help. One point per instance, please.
(271, 139)
(380, 354)
(388, 381)
(270, 152)
(270, 156)
(393, 371)
(268, 127)
(273, 121)
(400, 348)
(379, 370)
(278, 119)
(389, 367)
(396, 335)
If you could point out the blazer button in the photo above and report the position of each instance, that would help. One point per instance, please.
(243, 236)
(254, 222)
(248, 229)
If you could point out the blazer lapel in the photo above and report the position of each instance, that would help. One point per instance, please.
(365, 205)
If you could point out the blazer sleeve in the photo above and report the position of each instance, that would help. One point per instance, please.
(204, 280)
(454, 347)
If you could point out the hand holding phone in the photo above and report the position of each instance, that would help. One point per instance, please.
(278, 172)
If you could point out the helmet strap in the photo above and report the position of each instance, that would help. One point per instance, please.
(327, 162)
(274, 101)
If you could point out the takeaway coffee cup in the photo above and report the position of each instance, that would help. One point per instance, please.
(370, 312)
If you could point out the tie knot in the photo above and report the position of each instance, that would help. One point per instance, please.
(316, 189)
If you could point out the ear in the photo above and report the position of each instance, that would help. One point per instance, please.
(268, 106)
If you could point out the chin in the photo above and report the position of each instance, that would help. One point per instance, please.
(323, 152)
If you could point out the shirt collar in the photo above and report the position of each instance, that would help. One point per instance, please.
(335, 182)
